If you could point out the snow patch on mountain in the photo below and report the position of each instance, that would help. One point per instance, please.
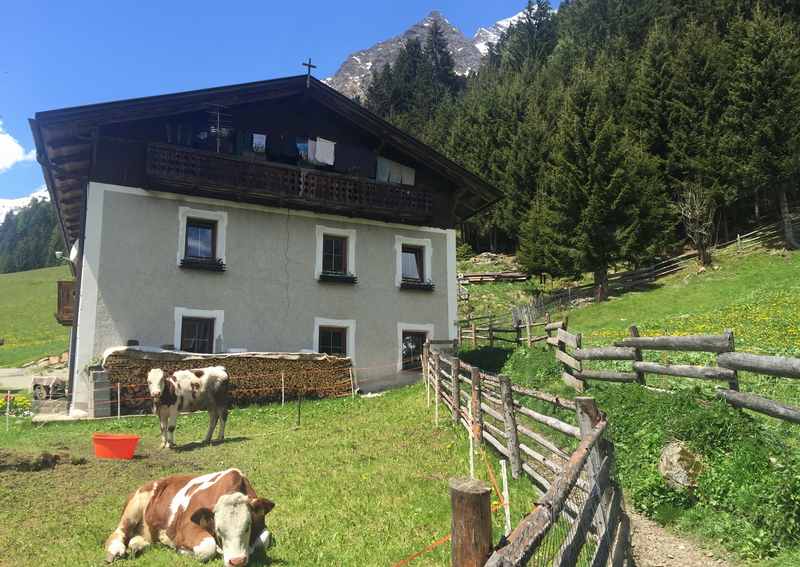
(485, 37)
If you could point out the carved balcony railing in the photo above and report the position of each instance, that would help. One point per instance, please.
(285, 185)
(66, 303)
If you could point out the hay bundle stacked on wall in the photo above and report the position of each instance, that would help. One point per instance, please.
(255, 376)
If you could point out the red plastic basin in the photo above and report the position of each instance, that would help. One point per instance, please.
(114, 445)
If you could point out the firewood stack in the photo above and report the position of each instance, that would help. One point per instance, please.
(255, 377)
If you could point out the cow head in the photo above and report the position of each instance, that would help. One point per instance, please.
(155, 382)
(232, 520)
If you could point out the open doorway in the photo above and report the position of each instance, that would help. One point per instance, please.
(413, 342)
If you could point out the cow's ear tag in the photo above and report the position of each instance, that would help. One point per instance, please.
(261, 505)
(204, 518)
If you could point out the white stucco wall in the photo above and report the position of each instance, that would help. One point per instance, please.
(268, 299)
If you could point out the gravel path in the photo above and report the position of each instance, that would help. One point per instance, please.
(654, 546)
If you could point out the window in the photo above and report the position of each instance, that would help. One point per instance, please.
(201, 239)
(334, 254)
(197, 334)
(412, 344)
(333, 340)
(413, 265)
(335, 337)
(411, 339)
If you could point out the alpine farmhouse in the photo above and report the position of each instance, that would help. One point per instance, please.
(275, 216)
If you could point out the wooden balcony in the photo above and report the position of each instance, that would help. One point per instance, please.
(66, 303)
(240, 178)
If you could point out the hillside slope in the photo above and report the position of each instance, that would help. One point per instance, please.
(27, 324)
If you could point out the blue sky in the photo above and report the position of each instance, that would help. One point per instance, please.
(55, 54)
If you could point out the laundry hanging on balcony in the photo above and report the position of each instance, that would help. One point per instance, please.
(323, 151)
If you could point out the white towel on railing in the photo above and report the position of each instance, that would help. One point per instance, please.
(325, 151)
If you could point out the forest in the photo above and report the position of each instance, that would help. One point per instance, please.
(619, 132)
(29, 238)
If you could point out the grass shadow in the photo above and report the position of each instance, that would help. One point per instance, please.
(490, 359)
(199, 444)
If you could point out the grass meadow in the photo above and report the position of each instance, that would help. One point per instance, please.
(27, 322)
(362, 482)
(748, 497)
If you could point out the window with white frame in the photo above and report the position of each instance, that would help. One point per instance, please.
(201, 238)
(413, 266)
(335, 254)
(198, 330)
(335, 337)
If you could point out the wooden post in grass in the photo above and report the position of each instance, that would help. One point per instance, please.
(510, 422)
(471, 525)
(733, 382)
(518, 335)
(425, 374)
(588, 417)
(491, 332)
(353, 386)
(528, 328)
(455, 392)
(634, 332)
(119, 401)
(476, 423)
(474, 330)
(283, 387)
(299, 400)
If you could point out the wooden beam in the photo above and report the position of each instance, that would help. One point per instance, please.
(759, 404)
(761, 364)
(605, 353)
(701, 343)
(685, 370)
(606, 375)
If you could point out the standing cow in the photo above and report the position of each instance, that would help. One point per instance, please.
(189, 390)
(204, 515)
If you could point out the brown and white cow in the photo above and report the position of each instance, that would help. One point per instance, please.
(204, 515)
(189, 390)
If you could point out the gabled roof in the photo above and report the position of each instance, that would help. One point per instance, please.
(64, 139)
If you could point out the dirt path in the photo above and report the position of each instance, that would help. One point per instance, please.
(654, 546)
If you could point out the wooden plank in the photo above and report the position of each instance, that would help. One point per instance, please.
(557, 401)
(510, 423)
(471, 526)
(541, 459)
(759, 404)
(761, 364)
(495, 443)
(554, 325)
(696, 343)
(543, 441)
(573, 382)
(637, 355)
(494, 430)
(605, 353)
(568, 360)
(621, 550)
(551, 422)
(491, 411)
(611, 520)
(541, 482)
(607, 376)
(567, 338)
(685, 371)
(552, 341)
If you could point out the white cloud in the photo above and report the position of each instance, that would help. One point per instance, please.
(11, 151)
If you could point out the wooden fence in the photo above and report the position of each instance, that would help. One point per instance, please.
(494, 331)
(576, 360)
(579, 520)
(492, 277)
(561, 299)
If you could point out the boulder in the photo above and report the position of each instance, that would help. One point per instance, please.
(679, 466)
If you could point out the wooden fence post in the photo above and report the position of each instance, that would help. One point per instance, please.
(634, 331)
(510, 421)
(518, 335)
(471, 525)
(477, 415)
(528, 323)
(491, 332)
(588, 416)
(547, 322)
(733, 383)
(474, 329)
(455, 392)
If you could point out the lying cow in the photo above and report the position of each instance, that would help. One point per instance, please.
(189, 390)
(205, 515)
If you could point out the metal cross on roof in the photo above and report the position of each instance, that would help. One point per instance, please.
(310, 66)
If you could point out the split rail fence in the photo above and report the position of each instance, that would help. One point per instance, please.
(579, 519)
(494, 330)
(576, 365)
